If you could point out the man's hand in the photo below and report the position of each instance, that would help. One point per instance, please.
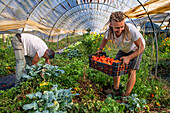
(47, 61)
(126, 60)
(99, 51)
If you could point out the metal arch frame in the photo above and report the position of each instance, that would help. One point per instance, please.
(154, 34)
(105, 1)
(83, 15)
(167, 29)
(154, 16)
(54, 9)
(157, 19)
(68, 10)
(84, 26)
(39, 3)
(76, 19)
(76, 6)
(51, 10)
(78, 23)
(84, 21)
(29, 12)
(109, 5)
(32, 12)
(158, 31)
(88, 2)
(6, 5)
(102, 9)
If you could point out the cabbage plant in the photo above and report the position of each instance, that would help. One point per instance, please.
(53, 101)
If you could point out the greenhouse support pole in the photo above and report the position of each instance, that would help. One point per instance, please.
(67, 39)
(167, 30)
(57, 42)
(154, 34)
(161, 25)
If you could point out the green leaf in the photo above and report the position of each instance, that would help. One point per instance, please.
(26, 76)
(50, 105)
(48, 96)
(56, 107)
(62, 71)
(31, 96)
(33, 105)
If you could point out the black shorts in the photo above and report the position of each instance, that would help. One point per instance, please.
(135, 62)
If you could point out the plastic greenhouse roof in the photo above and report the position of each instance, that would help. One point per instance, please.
(51, 18)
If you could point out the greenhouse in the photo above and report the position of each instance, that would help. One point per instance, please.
(84, 56)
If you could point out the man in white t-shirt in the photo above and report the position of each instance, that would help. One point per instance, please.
(131, 44)
(28, 50)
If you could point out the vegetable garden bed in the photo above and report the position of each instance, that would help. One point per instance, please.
(87, 86)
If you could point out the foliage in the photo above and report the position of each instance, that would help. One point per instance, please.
(65, 42)
(73, 53)
(133, 103)
(47, 72)
(164, 47)
(111, 106)
(53, 101)
(7, 62)
(92, 42)
(88, 30)
(89, 83)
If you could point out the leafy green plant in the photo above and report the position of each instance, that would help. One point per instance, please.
(7, 62)
(88, 30)
(165, 45)
(73, 53)
(45, 72)
(133, 103)
(53, 101)
(111, 106)
(91, 42)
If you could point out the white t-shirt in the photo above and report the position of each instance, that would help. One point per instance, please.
(128, 45)
(33, 44)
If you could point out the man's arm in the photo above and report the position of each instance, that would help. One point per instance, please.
(138, 51)
(104, 42)
(47, 61)
(35, 59)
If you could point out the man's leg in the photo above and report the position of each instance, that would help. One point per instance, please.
(20, 67)
(20, 59)
(131, 82)
(116, 81)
